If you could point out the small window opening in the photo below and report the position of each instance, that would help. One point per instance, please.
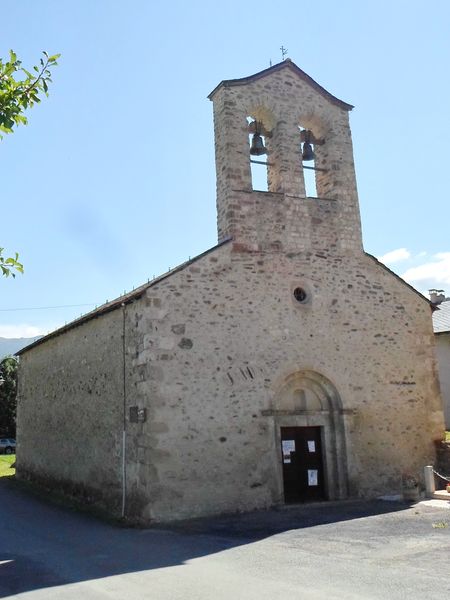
(258, 156)
(308, 162)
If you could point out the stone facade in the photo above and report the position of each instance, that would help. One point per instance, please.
(443, 357)
(441, 327)
(170, 402)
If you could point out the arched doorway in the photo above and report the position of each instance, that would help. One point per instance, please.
(310, 438)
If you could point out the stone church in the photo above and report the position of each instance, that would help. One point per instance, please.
(283, 365)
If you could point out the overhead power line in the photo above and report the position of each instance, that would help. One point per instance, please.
(47, 307)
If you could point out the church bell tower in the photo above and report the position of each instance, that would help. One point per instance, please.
(283, 123)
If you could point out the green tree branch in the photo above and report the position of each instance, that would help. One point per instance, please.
(10, 264)
(20, 90)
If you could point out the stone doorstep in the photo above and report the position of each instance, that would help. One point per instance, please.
(440, 495)
(296, 505)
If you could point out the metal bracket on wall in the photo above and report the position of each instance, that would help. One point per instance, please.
(138, 415)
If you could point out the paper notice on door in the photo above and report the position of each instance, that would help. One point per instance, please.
(311, 446)
(313, 477)
(288, 446)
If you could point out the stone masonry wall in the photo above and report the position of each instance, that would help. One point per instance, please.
(215, 343)
(208, 350)
(282, 101)
(70, 412)
(275, 222)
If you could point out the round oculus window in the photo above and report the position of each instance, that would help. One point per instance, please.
(300, 294)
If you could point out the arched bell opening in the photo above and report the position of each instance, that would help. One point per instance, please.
(312, 160)
(320, 145)
(258, 154)
(260, 123)
(308, 419)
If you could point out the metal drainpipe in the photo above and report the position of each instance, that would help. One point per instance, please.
(124, 466)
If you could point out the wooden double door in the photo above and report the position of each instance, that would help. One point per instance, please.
(301, 455)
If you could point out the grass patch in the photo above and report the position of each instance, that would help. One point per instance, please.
(5, 465)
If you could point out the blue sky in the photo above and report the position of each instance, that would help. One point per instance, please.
(113, 180)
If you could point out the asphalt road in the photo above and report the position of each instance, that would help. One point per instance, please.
(360, 550)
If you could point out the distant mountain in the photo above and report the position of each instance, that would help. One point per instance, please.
(11, 345)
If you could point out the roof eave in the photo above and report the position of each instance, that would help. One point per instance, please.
(427, 300)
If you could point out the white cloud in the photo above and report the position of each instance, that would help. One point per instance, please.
(23, 330)
(435, 273)
(395, 256)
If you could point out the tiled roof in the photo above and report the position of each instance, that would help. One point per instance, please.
(118, 302)
(441, 317)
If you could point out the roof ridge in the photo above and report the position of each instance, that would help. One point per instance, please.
(287, 63)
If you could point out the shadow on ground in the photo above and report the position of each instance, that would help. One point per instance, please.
(257, 525)
(44, 545)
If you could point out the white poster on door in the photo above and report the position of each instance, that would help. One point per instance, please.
(311, 446)
(288, 446)
(313, 477)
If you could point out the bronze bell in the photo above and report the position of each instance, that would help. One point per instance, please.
(308, 152)
(257, 148)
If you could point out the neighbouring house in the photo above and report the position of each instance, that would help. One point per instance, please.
(283, 365)
(441, 326)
